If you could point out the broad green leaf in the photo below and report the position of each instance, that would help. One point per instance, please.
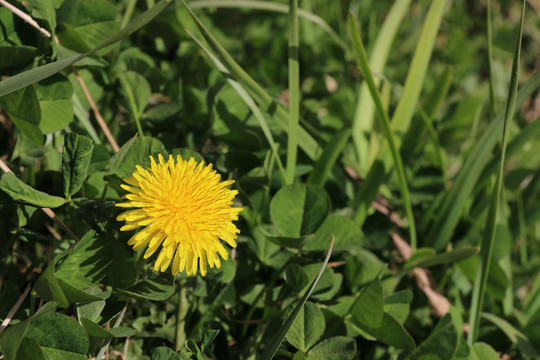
(76, 158)
(392, 333)
(157, 289)
(84, 295)
(274, 344)
(29, 349)
(442, 342)
(54, 95)
(135, 152)
(25, 194)
(348, 235)
(122, 270)
(86, 23)
(398, 305)
(96, 213)
(308, 327)
(335, 348)
(14, 55)
(482, 351)
(296, 277)
(43, 9)
(93, 309)
(367, 309)
(47, 286)
(164, 353)
(136, 92)
(11, 338)
(88, 263)
(34, 75)
(299, 209)
(97, 331)
(58, 332)
(23, 109)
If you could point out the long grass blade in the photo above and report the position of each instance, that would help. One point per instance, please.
(34, 75)
(272, 348)
(385, 124)
(294, 92)
(407, 103)
(323, 166)
(492, 102)
(363, 116)
(486, 249)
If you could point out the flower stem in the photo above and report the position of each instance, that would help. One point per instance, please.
(180, 336)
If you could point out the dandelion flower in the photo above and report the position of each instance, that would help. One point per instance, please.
(184, 208)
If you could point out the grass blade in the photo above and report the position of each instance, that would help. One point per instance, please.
(294, 92)
(34, 75)
(323, 166)
(275, 7)
(407, 104)
(486, 249)
(265, 101)
(385, 124)
(248, 100)
(363, 116)
(272, 348)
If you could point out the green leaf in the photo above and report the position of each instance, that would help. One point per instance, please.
(76, 158)
(88, 263)
(136, 92)
(335, 348)
(96, 213)
(392, 333)
(520, 340)
(274, 344)
(164, 353)
(29, 349)
(10, 340)
(483, 351)
(136, 151)
(331, 151)
(398, 305)
(43, 9)
(153, 289)
(442, 342)
(367, 309)
(296, 277)
(34, 75)
(308, 327)
(14, 55)
(86, 23)
(95, 330)
(54, 95)
(23, 109)
(347, 233)
(58, 332)
(25, 194)
(299, 209)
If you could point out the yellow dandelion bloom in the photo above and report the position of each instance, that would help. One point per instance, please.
(184, 208)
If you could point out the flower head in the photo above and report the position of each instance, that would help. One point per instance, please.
(184, 208)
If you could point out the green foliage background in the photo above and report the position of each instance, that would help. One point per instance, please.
(421, 166)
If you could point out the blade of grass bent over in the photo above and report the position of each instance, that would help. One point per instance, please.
(294, 92)
(248, 100)
(486, 250)
(271, 6)
(34, 75)
(407, 103)
(265, 101)
(384, 122)
(272, 348)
